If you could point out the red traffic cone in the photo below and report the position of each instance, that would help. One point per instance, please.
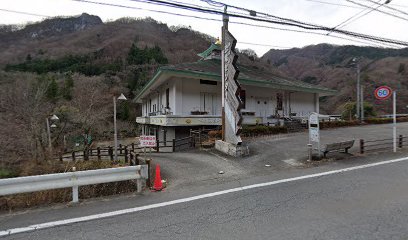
(158, 185)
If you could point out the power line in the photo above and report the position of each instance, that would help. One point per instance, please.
(355, 17)
(281, 21)
(263, 45)
(376, 9)
(365, 42)
(335, 4)
(24, 13)
(394, 9)
(149, 10)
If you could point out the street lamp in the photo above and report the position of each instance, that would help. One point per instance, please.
(115, 135)
(53, 118)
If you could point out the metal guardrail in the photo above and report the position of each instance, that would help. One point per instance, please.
(381, 144)
(72, 179)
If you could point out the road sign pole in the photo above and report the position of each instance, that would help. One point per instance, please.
(358, 93)
(394, 127)
(362, 103)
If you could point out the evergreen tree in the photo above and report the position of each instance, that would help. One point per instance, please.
(135, 55)
(67, 89)
(52, 90)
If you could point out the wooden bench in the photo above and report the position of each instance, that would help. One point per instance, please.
(331, 147)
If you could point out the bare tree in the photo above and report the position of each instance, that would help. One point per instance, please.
(90, 98)
(23, 109)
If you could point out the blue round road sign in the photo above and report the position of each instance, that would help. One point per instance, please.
(383, 92)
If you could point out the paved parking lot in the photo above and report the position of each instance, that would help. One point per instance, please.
(202, 167)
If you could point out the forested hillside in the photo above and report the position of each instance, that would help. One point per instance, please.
(332, 66)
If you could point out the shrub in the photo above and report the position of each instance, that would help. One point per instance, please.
(215, 134)
(7, 173)
(336, 124)
(263, 130)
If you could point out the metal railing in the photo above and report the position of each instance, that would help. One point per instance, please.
(73, 179)
(380, 144)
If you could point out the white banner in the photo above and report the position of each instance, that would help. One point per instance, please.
(147, 141)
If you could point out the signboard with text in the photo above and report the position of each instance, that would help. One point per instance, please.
(314, 131)
(232, 89)
(147, 141)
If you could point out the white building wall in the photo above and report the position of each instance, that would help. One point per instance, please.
(191, 92)
(158, 98)
(262, 101)
(184, 97)
(302, 103)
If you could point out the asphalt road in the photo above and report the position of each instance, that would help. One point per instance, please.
(368, 203)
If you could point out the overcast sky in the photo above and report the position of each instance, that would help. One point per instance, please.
(313, 11)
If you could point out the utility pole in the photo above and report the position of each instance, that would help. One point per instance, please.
(358, 92)
(394, 120)
(224, 28)
(49, 134)
(362, 103)
(115, 134)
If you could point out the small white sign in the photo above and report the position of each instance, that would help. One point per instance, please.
(314, 118)
(314, 135)
(314, 131)
(147, 141)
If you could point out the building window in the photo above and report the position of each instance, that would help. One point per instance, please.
(279, 101)
(208, 82)
(167, 98)
(208, 103)
(150, 105)
(242, 96)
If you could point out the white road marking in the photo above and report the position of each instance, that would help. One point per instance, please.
(184, 200)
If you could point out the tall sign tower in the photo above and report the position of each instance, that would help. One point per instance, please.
(231, 142)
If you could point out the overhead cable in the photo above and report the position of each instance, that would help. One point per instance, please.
(378, 10)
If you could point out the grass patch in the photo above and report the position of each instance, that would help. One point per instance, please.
(8, 173)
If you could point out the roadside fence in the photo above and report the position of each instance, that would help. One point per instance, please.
(381, 144)
(73, 180)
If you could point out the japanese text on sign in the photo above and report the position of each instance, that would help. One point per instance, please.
(147, 141)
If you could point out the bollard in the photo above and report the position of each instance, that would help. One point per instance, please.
(98, 152)
(110, 152)
(75, 197)
(131, 155)
(400, 140)
(148, 162)
(137, 160)
(361, 146)
(126, 155)
(310, 152)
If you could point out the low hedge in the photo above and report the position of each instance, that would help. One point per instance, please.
(336, 124)
(263, 130)
(384, 120)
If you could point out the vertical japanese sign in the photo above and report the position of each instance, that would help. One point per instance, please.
(232, 101)
(314, 131)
